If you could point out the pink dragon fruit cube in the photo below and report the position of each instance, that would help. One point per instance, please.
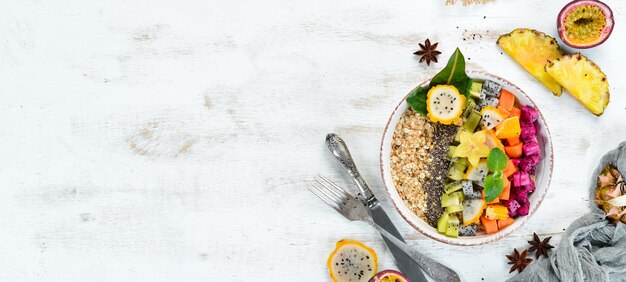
(513, 206)
(528, 132)
(521, 178)
(525, 208)
(528, 114)
(530, 148)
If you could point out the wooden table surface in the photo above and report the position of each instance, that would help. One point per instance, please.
(172, 140)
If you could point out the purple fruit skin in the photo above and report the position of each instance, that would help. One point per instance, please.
(528, 114)
(512, 206)
(384, 273)
(530, 148)
(524, 209)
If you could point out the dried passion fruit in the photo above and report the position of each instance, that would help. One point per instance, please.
(585, 23)
(611, 194)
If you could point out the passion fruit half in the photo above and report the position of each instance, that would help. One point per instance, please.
(389, 276)
(585, 23)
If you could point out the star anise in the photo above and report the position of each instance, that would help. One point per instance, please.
(428, 52)
(540, 247)
(519, 261)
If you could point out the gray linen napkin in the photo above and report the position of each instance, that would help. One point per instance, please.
(592, 248)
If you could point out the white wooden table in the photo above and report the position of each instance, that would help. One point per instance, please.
(170, 140)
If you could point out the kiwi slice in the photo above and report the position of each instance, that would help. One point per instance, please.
(469, 107)
(460, 162)
(477, 90)
(452, 187)
(451, 151)
(472, 121)
(457, 137)
(455, 174)
(459, 194)
(452, 229)
(454, 208)
(449, 200)
(462, 166)
(442, 224)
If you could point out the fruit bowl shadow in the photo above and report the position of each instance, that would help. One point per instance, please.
(542, 177)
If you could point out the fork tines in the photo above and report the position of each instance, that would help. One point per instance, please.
(328, 191)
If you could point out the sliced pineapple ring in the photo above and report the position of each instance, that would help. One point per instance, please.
(532, 49)
(583, 79)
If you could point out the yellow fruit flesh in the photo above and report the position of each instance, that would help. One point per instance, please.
(584, 24)
(391, 278)
(583, 79)
(509, 128)
(532, 50)
(494, 212)
(472, 147)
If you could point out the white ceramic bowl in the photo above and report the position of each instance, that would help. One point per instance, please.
(542, 180)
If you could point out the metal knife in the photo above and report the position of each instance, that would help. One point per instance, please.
(406, 264)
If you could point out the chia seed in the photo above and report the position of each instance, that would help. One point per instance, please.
(443, 137)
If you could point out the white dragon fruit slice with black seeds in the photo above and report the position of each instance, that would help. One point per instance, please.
(469, 230)
(488, 101)
(491, 89)
(490, 117)
(445, 104)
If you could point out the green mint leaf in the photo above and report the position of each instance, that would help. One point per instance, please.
(497, 174)
(496, 160)
(493, 187)
(454, 74)
(417, 99)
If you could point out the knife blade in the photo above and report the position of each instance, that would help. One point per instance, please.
(405, 263)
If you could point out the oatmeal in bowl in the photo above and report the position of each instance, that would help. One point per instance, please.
(418, 162)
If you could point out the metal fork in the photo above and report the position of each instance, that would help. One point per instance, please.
(353, 209)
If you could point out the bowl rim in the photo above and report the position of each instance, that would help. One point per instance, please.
(460, 241)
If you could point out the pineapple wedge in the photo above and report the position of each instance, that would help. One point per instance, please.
(532, 49)
(583, 79)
